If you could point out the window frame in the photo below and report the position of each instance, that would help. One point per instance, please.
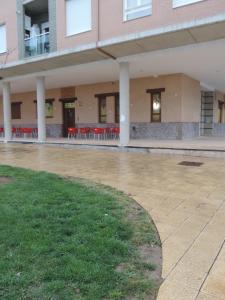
(116, 96)
(3, 25)
(49, 101)
(185, 3)
(220, 111)
(16, 115)
(100, 115)
(76, 32)
(117, 108)
(152, 92)
(126, 12)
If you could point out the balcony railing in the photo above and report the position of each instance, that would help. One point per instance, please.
(37, 45)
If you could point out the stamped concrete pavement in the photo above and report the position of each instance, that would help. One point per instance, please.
(187, 205)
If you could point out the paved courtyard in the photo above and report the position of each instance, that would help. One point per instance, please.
(187, 205)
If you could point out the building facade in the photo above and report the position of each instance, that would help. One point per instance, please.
(152, 67)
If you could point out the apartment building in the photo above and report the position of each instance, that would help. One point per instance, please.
(155, 68)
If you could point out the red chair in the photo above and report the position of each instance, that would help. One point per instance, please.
(34, 132)
(14, 132)
(116, 132)
(109, 132)
(26, 132)
(84, 132)
(72, 132)
(1, 131)
(98, 133)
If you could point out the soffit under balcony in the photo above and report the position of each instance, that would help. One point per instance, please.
(36, 7)
(170, 37)
(204, 62)
(164, 40)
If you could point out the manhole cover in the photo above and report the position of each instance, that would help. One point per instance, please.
(190, 163)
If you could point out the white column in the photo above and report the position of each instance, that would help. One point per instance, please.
(124, 104)
(41, 109)
(7, 111)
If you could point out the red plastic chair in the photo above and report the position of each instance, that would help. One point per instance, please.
(1, 131)
(72, 132)
(98, 133)
(109, 132)
(84, 132)
(26, 132)
(35, 132)
(116, 132)
(14, 131)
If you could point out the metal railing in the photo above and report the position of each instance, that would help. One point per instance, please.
(37, 45)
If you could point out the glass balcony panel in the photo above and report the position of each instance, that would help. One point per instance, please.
(37, 45)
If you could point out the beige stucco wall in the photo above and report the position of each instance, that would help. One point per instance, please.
(64, 41)
(191, 99)
(163, 14)
(87, 104)
(9, 18)
(171, 98)
(180, 101)
(111, 23)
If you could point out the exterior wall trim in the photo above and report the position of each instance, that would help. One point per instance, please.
(116, 94)
(66, 100)
(152, 91)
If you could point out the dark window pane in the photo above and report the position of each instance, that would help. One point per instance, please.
(102, 110)
(16, 110)
(117, 109)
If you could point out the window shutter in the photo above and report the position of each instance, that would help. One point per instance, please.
(3, 45)
(16, 110)
(134, 9)
(78, 16)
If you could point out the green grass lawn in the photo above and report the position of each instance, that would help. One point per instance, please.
(69, 239)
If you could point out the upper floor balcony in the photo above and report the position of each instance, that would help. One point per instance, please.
(37, 45)
(36, 28)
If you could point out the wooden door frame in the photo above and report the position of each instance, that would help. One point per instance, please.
(63, 101)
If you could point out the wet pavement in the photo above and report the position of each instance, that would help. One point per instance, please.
(186, 203)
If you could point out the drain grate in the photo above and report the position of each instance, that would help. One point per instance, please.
(190, 164)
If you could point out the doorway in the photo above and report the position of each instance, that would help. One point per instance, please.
(68, 115)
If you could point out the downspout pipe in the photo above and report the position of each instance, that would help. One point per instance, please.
(99, 49)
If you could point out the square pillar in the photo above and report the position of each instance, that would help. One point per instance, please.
(124, 104)
(7, 111)
(41, 120)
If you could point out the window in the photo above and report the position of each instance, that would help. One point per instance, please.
(16, 110)
(117, 109)
(108, 107)
(220, 111)
(102, 109)
(134, 9)
(3, 44)
(178, 3)
(48, 108)
(78, 16)
(156, 107)
(156, 96)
